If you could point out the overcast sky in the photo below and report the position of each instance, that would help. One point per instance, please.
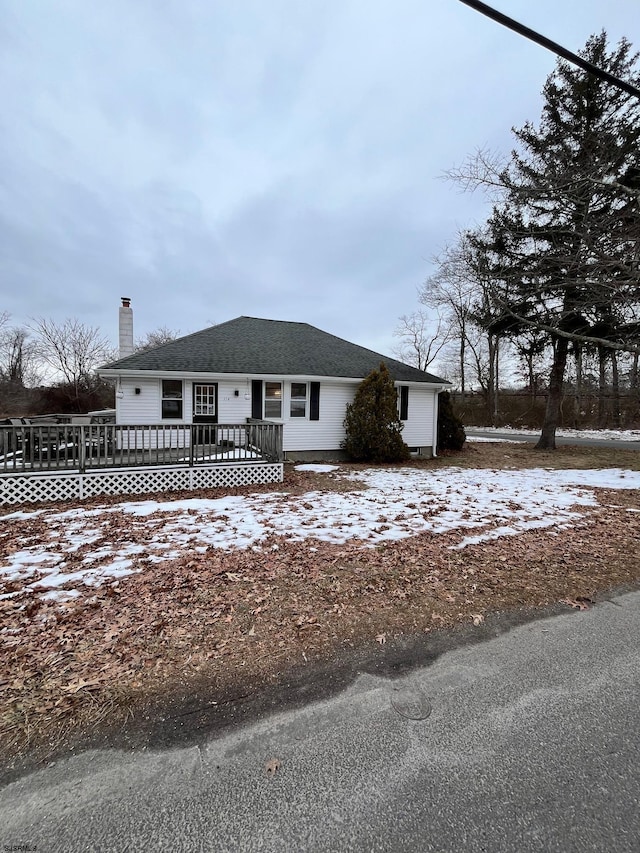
(272, 158)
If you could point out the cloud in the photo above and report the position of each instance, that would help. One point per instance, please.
(217, 159)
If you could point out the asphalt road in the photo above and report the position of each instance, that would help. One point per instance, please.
(525, 742)
(612, 444)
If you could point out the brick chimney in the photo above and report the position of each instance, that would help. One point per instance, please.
(126, 328)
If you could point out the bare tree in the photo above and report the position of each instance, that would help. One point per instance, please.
(462, 289)
(451, 291)
(72, 350)
(18, 357)
(420, 342)
(156, 338)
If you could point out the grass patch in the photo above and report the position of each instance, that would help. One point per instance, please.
(524, 455)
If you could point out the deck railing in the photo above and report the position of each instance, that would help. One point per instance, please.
(82, 447)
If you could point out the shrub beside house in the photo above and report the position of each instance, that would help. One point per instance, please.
(373, 423)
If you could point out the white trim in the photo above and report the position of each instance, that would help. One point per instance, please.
(265, 416)
(291, 398)
(247, 377)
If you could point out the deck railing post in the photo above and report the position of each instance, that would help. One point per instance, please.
(82, 449)
(192, 438)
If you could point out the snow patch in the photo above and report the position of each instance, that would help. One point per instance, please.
(320, 469)
(604, 434)
(396, 503)
(480, 439)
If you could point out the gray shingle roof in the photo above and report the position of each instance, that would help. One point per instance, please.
(267, 347)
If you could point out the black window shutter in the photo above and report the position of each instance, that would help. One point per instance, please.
(404, 402)
(314, 401)
(256, 399)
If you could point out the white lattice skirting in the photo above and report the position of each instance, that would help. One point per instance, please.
(35, 488)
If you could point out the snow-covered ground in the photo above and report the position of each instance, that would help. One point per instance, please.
(82, 548)
(478, 439)
(605, 434)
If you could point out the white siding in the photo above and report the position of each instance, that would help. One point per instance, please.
(299, 433)
(146, 407)
(232, 409)
(328, 432)
(142, 408)
(418, 428)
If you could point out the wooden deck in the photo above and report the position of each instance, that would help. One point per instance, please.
(58, 447)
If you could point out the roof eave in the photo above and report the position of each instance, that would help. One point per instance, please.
(113, 373)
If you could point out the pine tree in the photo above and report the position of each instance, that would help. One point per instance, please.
(563, 236)
(372, 425)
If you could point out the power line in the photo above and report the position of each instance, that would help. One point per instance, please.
(553, 46)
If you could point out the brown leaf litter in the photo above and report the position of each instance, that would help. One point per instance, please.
(218, 617)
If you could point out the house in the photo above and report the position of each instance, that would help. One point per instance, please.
(265, 370)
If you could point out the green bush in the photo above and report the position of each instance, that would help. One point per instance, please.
(373, 427)
(451, 434)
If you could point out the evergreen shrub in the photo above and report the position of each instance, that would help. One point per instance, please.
(451, 434)
(372, 423)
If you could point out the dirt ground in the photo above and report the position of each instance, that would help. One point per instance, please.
(212, 621)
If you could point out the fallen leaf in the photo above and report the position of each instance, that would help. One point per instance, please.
(233, 576)
(272, 766)
(80, 685)
(578, 603)
(478, 618)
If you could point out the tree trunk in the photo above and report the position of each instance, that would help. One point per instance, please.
(547, 440)
(577, 350)
(491, 381)
(532, 380)
(462, 357)
(496, 377)
(615, 382)
(634, 411)
(602, 387)
(633, 375)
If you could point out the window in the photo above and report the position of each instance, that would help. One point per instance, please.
(273, 400)
(303, 399)
(172, 398)
(298, 400)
